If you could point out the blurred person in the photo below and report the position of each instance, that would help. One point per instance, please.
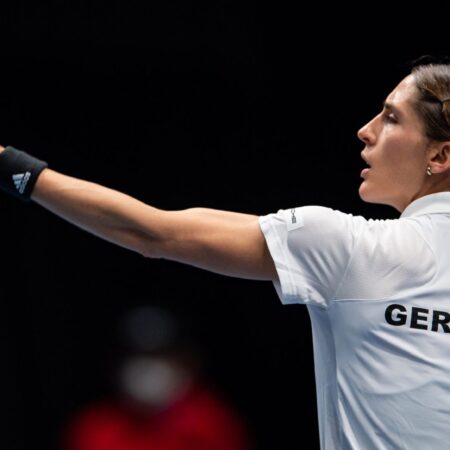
(162, 401)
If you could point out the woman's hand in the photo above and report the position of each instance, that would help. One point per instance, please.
(1, 148)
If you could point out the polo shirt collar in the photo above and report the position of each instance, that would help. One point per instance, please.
(438, 203)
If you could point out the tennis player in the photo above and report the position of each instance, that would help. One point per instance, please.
(377, 291)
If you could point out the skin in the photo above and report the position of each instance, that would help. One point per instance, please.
(398, 153)
(232, 243)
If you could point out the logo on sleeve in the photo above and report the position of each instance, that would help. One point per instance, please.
(294, 219)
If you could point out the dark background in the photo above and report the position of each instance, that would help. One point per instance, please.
(228, 105)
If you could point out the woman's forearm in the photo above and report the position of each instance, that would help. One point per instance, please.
(107, 213)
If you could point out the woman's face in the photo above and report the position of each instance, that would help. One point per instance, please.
(395, 150)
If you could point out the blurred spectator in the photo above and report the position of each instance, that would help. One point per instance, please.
(161, 402)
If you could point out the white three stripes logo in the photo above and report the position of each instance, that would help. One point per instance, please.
(21, 180)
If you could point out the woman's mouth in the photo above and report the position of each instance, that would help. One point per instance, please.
(365, 171)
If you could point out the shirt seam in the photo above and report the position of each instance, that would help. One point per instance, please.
(347, 268)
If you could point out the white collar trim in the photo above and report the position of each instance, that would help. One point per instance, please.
(438, 203)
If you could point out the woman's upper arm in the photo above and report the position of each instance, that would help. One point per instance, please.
(219, 241)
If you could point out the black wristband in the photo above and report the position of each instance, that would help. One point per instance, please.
(19, 172)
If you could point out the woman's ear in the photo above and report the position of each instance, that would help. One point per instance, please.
(440, 157)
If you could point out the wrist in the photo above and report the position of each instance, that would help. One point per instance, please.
(19, 172)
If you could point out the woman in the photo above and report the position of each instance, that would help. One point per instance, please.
(378, 292)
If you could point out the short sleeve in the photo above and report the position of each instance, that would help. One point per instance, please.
(311, 247)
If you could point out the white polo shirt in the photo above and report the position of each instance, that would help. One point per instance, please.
(378, 294)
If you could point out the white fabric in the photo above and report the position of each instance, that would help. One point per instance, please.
(372, 288)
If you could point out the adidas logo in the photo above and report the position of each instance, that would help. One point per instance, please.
(21, 180)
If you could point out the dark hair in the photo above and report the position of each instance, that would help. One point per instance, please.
(432, 78)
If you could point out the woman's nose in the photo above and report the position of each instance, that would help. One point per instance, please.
(367, 134)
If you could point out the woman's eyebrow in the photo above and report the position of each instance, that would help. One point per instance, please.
(391, 107)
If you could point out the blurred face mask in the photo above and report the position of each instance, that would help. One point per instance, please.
(153, 381)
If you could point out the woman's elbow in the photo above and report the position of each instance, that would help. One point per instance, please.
(140, 242)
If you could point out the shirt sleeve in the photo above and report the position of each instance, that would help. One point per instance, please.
(311, 247)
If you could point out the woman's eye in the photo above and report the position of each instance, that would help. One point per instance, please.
(390, 118)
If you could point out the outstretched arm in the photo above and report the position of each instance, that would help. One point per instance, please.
(220, 241)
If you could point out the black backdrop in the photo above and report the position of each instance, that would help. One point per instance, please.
(229, 105)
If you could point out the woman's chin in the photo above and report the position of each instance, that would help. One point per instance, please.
(365, 194)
